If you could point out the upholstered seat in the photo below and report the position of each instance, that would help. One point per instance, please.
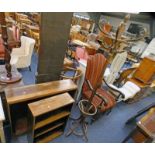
(129, 89)
(98, 101)
(21, 57)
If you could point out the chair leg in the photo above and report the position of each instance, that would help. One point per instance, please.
(96, 117)
(84, 130)
(30, 68)
(108, 111)
(77, 123)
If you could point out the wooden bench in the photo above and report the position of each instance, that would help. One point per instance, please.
(48, 117)
(18, 98)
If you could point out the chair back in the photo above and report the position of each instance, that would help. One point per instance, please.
(116, 66)
(96, 65)
(145, 71)
(28, 45)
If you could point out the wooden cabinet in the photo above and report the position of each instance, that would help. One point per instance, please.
(48, 117)
(19, 98)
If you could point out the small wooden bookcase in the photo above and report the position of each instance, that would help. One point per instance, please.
(48, 117)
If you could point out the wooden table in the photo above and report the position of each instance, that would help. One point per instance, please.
(31, 92)
(145, 129)
(11, 85)
(147, 123)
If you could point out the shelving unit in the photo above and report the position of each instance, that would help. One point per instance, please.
(48, 117)
(19, 98)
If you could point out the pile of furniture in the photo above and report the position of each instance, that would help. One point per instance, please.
(40, 110)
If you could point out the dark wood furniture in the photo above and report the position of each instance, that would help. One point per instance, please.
(19, 98)
(5, 129)
(49, 117)
(145, 129)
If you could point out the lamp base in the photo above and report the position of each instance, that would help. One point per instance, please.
(15, 78)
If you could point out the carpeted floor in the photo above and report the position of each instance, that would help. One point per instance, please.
(108, 129)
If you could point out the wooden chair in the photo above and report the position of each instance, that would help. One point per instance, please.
(71, 73)
(92, 90)
(141, 77)
(94, 98)
(104, 36)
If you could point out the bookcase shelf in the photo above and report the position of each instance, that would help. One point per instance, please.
(48, 117)
(48, 130)
(51, 119)
(50, 137)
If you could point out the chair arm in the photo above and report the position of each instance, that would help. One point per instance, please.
(114, 89)
(123, 75)
(102, 97)
(78, 73)
(89, 85)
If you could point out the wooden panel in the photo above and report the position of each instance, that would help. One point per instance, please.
(51, 119)
(48, 130)
(30, 92)
(49, 138)
(50, 104)
(145, 71)
(147, 123)
(139, 137)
